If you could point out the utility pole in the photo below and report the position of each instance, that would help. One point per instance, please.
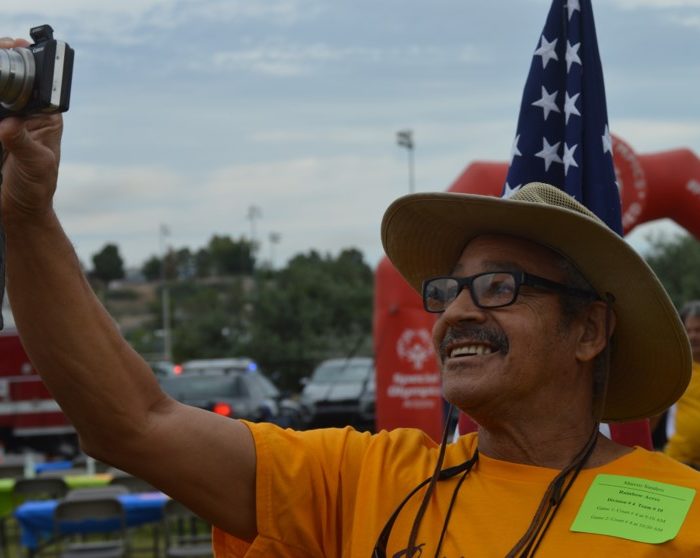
(165, 294)
(254, 212)
(404, 138)
(275, 238)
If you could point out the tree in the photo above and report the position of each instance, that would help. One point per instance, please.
(108, 264)
(315, 308)
(202, 262)
(676, 261)
(231, 257)
(151, 268)
(288, 320)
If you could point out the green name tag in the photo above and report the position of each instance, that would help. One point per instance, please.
(633, 508)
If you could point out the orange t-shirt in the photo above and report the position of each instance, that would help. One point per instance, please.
(328, 493)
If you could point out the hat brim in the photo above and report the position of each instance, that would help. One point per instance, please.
(424, 235)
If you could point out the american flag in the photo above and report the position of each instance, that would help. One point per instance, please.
(562, 136)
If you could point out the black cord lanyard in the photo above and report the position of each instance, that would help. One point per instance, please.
(383, 539)
(2, 246)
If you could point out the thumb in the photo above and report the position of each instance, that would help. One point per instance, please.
(14, 136)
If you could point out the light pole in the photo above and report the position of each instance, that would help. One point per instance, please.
(165, 295)
(404, 138)
(275, 238)
(254, 212)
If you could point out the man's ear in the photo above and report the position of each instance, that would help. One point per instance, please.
(594, 330)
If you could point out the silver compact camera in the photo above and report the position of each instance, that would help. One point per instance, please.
(37, 78)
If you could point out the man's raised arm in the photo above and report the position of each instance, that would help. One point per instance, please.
(105, 388)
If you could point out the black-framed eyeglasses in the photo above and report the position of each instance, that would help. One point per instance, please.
(492, 289)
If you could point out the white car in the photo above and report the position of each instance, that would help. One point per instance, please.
(340, 392)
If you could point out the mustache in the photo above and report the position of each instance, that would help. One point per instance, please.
(474, 333)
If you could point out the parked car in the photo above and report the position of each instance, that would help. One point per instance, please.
(164, 367)
(218, 365)
(232, 388)
(340, 392)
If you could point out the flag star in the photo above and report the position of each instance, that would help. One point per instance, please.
(508, 192)
(547, 102)
(549, 153)
(572, 6)
(570, 106)
(514, 151)
(569, 160)
(607, 141)
(546, 51)
(572, 54)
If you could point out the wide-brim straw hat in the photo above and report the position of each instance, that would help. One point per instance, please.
(650, 364)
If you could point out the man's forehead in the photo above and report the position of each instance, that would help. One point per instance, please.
(506, 253)
(487, 264)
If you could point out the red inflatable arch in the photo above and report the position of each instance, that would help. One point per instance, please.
(653, 186)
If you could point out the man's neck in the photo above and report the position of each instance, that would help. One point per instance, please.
(554, 450)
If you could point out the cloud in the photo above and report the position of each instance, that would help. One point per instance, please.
(654, 134)
(692, 22)
(282, 58)
(124, 22)
(275, 59)
(314, 203)
(657, 4)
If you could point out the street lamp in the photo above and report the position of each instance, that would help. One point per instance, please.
(404, 138)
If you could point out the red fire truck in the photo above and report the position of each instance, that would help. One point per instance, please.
(29, 417)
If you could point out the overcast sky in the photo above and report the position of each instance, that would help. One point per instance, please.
(187, 113)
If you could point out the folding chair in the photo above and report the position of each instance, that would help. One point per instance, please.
(91, 528)
(33, 489)
(186, 534)
(8, 530)
(132, 483)
(38, 488)
(11, 470)
(93, 492)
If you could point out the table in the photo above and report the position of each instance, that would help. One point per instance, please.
(52, 466)
(73, 481)
(36, 517)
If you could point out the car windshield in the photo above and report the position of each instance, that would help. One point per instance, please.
(260, 382)
(343, 371)
(196, 386)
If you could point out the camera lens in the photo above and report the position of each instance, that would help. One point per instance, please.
(17, 71)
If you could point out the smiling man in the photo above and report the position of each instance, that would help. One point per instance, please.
(548, 323)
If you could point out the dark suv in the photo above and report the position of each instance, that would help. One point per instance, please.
(341, 392)
(233, 388)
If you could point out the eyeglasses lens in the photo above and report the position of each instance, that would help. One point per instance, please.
(439, 293)
(494, 289)
(490, 290)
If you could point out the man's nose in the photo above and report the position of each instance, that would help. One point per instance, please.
(463, 308)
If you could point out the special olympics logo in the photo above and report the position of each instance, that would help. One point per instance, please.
(414, 346)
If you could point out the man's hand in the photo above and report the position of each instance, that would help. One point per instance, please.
(31, 153)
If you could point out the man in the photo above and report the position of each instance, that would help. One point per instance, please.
(683, 421)
(530, 290)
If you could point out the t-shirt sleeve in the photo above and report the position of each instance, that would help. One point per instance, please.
(305, 484)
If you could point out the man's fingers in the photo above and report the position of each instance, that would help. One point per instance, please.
(13, 135)
(9, 42)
